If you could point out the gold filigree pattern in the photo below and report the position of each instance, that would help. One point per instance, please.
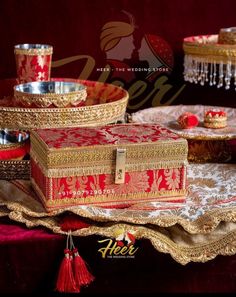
(227, 36)
(14, 169)
(34, 51)
(209, 48)
(207, 248)
(93, 115)
(92, 156)
(11, 146)
(51, 99)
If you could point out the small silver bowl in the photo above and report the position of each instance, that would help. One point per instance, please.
(50, 94)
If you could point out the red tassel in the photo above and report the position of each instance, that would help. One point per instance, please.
(65, 281)
(82, 275)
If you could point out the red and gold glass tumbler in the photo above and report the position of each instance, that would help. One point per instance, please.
(33, 62)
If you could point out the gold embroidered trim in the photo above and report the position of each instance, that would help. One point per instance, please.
(83, 116)
(203, 252)
(107, 167)
(11, 146)
(227, 36)
(211, 59)
(90, 156)
(211, 51)
(152, 196)
(34, 51)
(203, 225)
(206, 223)
(45, 100)
(14, 169)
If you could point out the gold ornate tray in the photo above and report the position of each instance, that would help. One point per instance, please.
(168, 115)
(14, 169)
(105, 103)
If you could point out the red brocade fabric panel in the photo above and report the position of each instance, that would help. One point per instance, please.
(106, 135)
(30, 260)
(135, 182)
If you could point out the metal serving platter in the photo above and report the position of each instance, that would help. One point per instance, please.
(105, 104)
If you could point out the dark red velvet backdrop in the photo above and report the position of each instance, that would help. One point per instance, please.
(73, 27)
(29, 262)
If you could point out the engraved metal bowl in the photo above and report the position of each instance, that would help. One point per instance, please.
(50, 94)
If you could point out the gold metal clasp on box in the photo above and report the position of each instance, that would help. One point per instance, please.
(120, 166)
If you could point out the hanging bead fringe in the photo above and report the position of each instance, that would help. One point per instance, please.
(199, 70)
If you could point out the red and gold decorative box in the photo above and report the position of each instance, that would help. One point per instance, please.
(108, 165)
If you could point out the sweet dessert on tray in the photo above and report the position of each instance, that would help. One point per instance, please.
(215, 119)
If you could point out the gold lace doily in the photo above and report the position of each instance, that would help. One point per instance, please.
(199, 230)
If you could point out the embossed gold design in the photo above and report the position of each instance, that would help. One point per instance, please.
(93, 115)
(182, 252)
(14, 169)
(46, 100)
(34, 51)
(211, 51)
(209, 151)
(101, 159)
(227, 36)
(9, 146)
